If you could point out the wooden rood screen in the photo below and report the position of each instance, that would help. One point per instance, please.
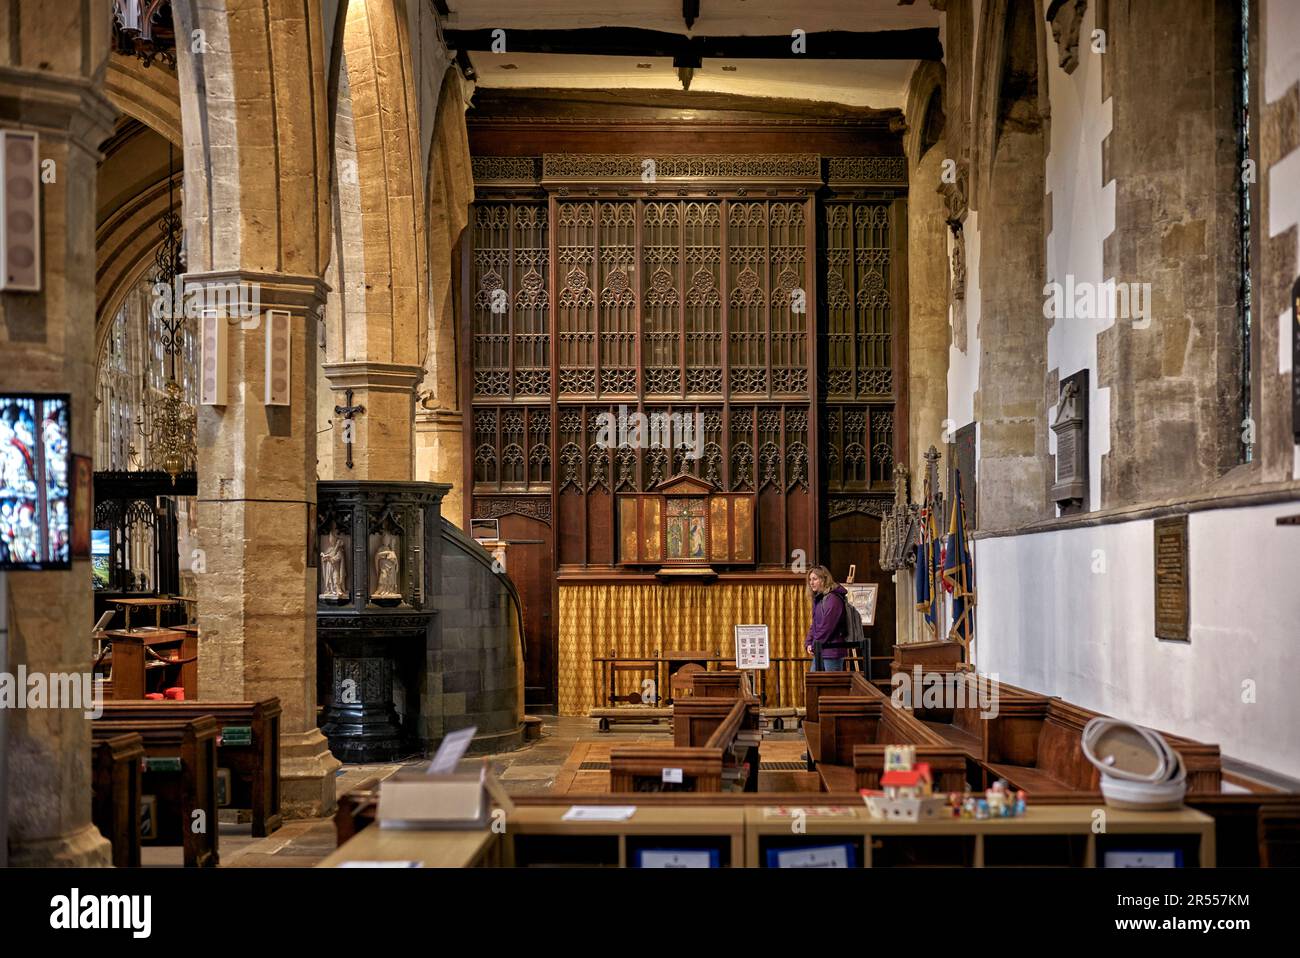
(698, 292)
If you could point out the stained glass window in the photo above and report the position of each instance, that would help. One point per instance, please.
(34, 462)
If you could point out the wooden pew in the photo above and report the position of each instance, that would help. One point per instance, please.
(846, 710)
(695, 718)
(249, 746)
(706, 733)
(115, 806)
(819, 684)
(947, 766)
(356, 809)
(849, 721)
(641, 768)
(728, 685)
(180, 770)
(1035, 743)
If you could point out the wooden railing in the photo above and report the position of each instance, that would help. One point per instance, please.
(781, 685)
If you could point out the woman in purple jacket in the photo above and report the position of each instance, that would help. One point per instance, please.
(830, 626)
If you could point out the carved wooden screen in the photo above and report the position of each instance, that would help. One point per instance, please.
(511, 305)
(595, 295)
(860, 347)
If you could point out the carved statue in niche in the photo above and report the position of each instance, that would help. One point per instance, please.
(1066, 18)
(958, 264)
(333, 568)
(384, 589)
(958, 286)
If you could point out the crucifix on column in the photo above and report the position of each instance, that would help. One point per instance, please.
(347, 412)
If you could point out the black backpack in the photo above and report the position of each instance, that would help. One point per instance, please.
(855, 638)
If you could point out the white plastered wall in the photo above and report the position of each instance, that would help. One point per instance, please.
(1071, 613)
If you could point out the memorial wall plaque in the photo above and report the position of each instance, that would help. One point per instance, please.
(1295, 361)
(1171, 579)
(965, 439)
(1070, 491)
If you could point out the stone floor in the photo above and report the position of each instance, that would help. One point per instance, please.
(529, 770)
(304, 842)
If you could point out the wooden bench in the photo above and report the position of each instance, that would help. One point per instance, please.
(852, 720)
(714, 739)
(861, 716)
(721, 684)
(115, 806)
(947, 766)
(1035, 743)
(180, 770)
(696, 718)
(631, 714)
(356, 809)
(249, 746)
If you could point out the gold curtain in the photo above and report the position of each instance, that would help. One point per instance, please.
(637, 620)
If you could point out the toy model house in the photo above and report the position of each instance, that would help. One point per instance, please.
(909, 783)
(906, 788)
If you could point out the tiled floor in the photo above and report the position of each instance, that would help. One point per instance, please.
(530, 770)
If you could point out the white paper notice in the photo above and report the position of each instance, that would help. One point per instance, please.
(451, 750)
(681, 859)
(833, 856)
(751, 647)
(599, 813)
(384, 864)
(673, 775)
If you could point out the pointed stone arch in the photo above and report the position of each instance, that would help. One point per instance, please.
(439, 444)
(148, 94)
(378, 348)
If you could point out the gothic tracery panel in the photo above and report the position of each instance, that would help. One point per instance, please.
(694, 306)
(859, 310)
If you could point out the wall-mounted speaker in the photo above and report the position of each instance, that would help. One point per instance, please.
(279, 340)
(20, 211)
(213, 358)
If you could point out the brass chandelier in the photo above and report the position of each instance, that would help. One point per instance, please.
(172, 423)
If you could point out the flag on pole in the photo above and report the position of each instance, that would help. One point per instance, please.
(959, 573)
(928, 595)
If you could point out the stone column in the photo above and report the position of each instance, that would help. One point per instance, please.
(257, 487)
(50, 82)
(440, 457)
(927, 322)
(383, 436)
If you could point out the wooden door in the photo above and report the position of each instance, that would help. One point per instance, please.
(529, 565)
(855, 540)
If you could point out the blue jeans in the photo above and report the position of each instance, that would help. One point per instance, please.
(828, 664)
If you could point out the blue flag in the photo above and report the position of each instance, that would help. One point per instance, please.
(959, 572)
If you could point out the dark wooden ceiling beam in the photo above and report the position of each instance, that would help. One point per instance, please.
(917, 44)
